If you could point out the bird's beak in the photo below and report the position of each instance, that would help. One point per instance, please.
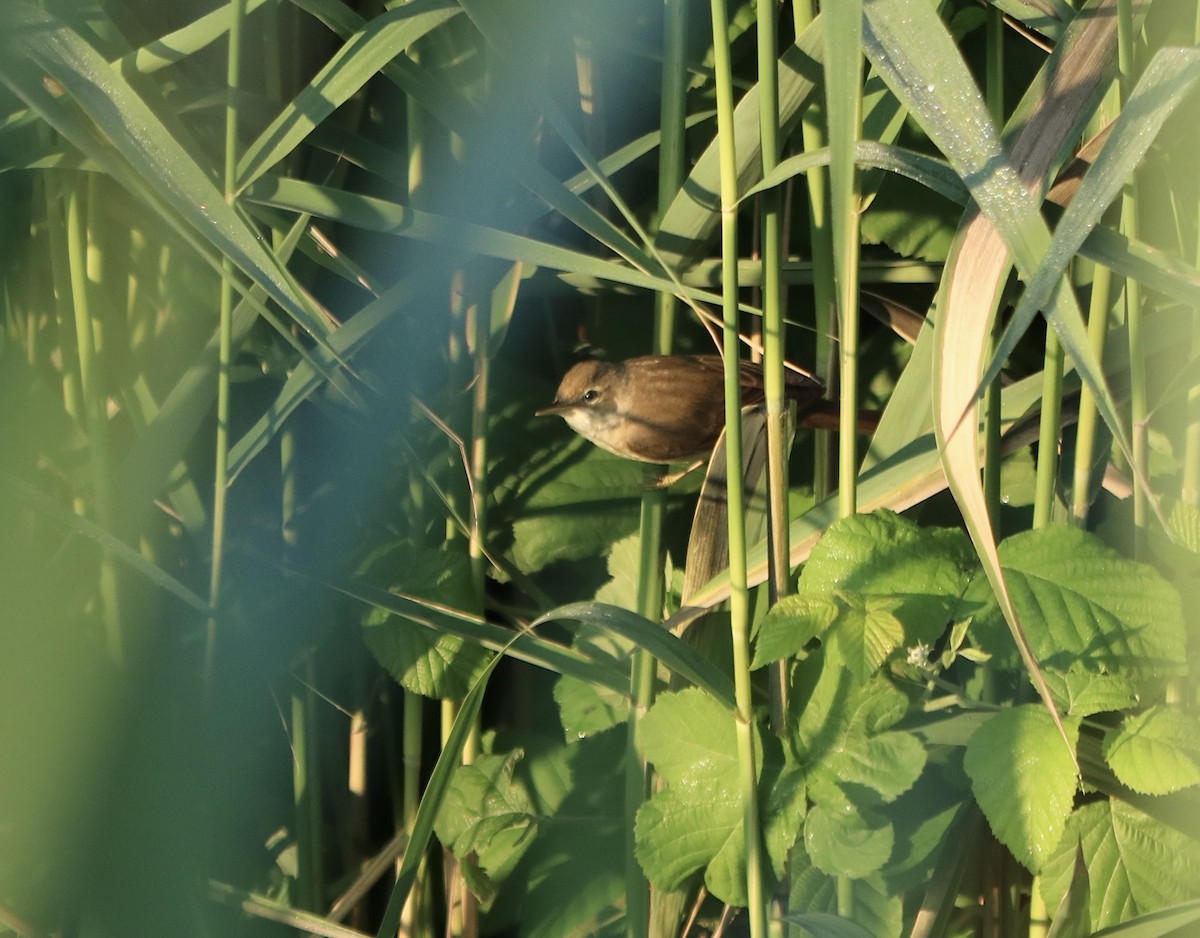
(555, 408)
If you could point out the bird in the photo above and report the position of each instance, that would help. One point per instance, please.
(671, 408)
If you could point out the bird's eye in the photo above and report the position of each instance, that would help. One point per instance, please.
(590, 395)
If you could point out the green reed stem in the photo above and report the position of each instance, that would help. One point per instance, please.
(843, 83)
(1048, 432)
(1138, 409)
(815, 136)
(1085, 430)
(1190, 490)
(774, 339)
(225, 351)
(739, 600)
(94, 403)
(995, 102)
(657, 913)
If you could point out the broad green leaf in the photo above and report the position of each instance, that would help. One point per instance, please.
(1084, 605)
(487, 820)
(697, 821)
(791, 624)
(867, 632)
(842, 740)
(813, 900)
(1024, 780)
(569, 502)
(883, 554)
(842, 842)
(1081, 693)
(1155, 752)
(1136, 866)
(433, 664)
(691, 739)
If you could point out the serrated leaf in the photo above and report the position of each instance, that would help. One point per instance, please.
(424, 661)
(1024, 780)
(829, 926)
(697, 821)
(1136, 865)
(867, 632)
(791, 624)
(574, 503)
(486, 820)
(885, 554)
(875, 905)
(1156, 752)
(1084, 605)
(888, 764)
(1083, 693)
(842, 842)
(691, 739)
(676, 836)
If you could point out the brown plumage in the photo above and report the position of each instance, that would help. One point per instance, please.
(668, 408)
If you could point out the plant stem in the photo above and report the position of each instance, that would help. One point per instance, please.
(739, 601)
(94, 402)
(225, 352)
(1048, 436)
(1138, 410)
(843, 92)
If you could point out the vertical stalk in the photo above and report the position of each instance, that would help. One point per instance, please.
(773, 338)
(1138, 409)
(655, 914)
(306, 793)
(1190, 490)
(410, 744)
(1085, 431)
(225, 349)
(823, 285)
(992, 456)
(739, 600)
(93, 400)
(843, 90)
(1047, 467)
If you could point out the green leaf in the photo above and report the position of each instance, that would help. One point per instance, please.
(71, 86)
(791, 624)
(842, 842)
(1136, 866)
(1082, 693)
(1083, 605)
(875, 906)
(427, 662)
(829, 926)
(431, 801)
(691, 738)
(1024, 780)
(668, 648)
(1156, 752)
(885, 554)
(574, 502)
(486, 820)
(380, 41)
(867, 632)
(696, 823)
